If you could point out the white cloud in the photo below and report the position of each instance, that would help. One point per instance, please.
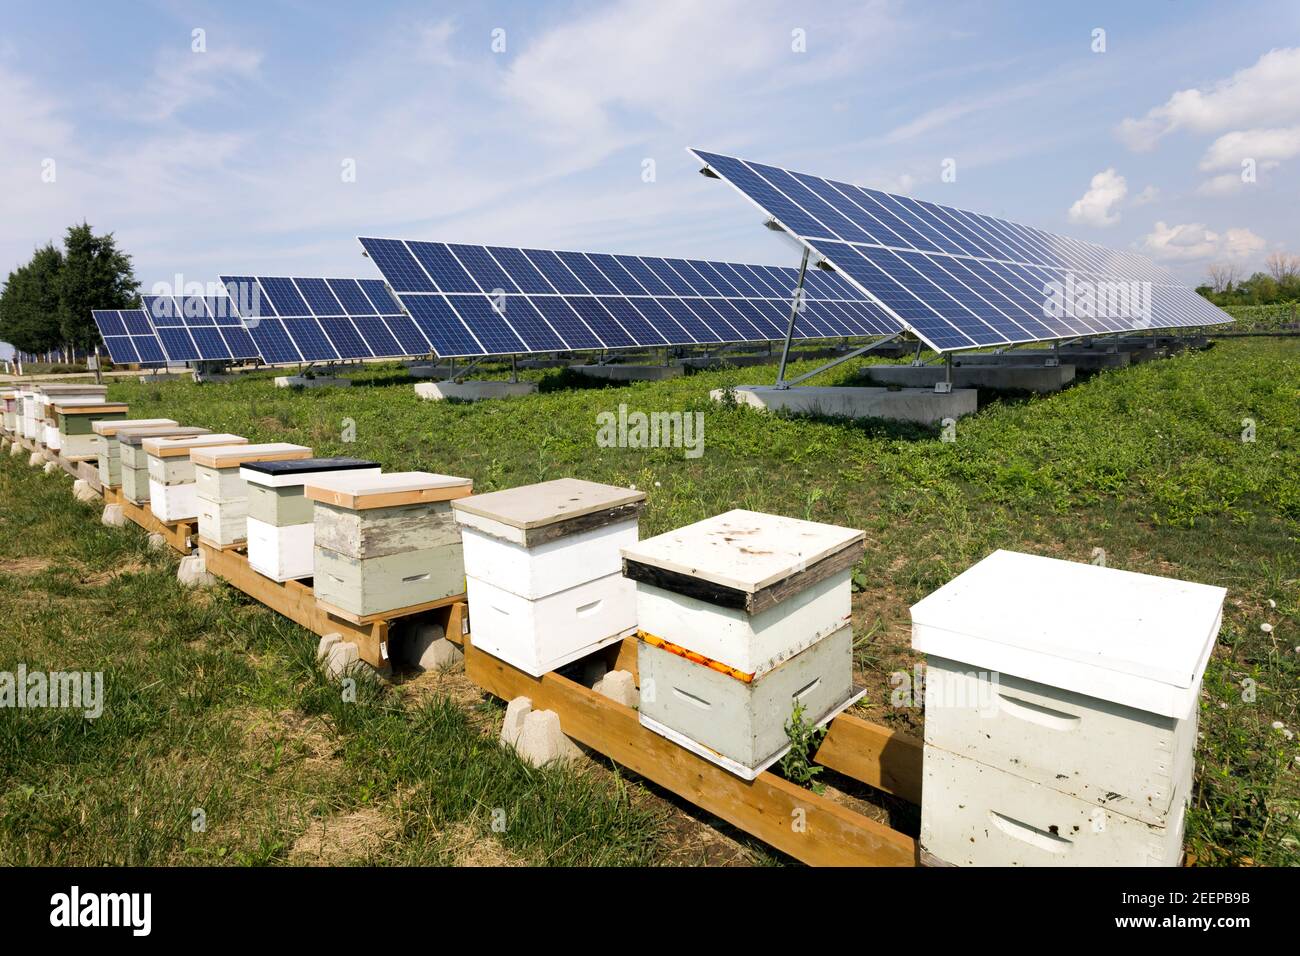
(1192, 241)
(182, 78)
(1148, 195)
(1099, 205)
(1261, 145)
(1261, 94)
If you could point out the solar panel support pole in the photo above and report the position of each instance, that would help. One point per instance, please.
(795, 302)
(843, 358)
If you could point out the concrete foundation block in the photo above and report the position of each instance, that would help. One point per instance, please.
(113, 517)
(52, 468)
(1023, 377)
(301, 381)
(629, 373)
(619, 686)
(36, 460)
(473, 391)
(326, 644)
(428, 649)
(15, 450)
(542, 741)
(512, 728)
(193, 572)
(342, 660)
(921, 405)
(82, 491)
(1083, 359)
(157, 542)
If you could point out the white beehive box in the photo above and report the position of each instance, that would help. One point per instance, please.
(173, 495)
(221, 492)
(281, 530)
(543, 570)
(9, 410)
(742, 617)
(746, 589)
(387, 542)
(135, 460)
(77, 439)
(108, 452)
(1067, 679)
(71, 394)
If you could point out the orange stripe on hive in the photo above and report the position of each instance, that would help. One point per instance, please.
(695, 658)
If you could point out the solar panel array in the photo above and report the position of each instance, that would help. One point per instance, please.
(198, 328)
(959, 279)
(128, 336)
(499, 300)
(298, 320)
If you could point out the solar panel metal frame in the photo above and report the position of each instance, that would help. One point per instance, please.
(979, 269)
(126, 347)
(545, 300)
(302, 326)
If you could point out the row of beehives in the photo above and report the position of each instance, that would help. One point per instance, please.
(1061, 698)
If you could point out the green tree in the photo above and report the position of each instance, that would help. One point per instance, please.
(96, 275)
(30, 304)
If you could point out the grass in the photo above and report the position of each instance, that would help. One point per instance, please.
(1146, 463)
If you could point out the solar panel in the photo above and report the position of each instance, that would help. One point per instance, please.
(500, 300)
(305, 319)
(128, 336)
(198, 328)
(959, 279)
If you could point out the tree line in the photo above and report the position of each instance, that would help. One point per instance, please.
(1227, 284)
(45, 304)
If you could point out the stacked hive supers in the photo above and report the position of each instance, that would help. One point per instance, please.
(542, 568)
(387, 542)
(173, 494)
(1061, 705)
(220, 491)
(47, 431)
(9, 406)
(77, 439)
(281, 529)
(108, 451)
(135, 460)
(743, 616)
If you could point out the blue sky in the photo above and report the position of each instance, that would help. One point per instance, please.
(232, 160)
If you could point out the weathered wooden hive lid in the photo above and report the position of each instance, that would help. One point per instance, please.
(1133, 639)
(72, 389)
(79, 408)
(234, 454)
(130, 434)
(289, 472)
(358, 491)
(113, 427)
(531, 514)
(176, 447)
(744, 559)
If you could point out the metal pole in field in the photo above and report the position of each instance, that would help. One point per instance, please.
(795, 303)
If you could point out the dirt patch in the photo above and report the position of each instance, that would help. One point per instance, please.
(24, 565)
(100, 578)
(469, 848)
(356, 837)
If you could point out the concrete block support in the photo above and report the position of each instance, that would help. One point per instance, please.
(629, 373)
(473, 391)
(1024, 377)
(113, 517)
(923, 406)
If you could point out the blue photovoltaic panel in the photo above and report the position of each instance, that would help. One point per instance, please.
(958, 279)
(499, 300)
(198, 328)
(294, 320)
(128, 336)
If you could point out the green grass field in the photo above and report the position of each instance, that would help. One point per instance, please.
(213, 703)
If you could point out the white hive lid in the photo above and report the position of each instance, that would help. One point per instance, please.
(744, 550)
(534, 506)
(1133, 639)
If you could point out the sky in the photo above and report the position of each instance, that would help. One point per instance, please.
(263, 138)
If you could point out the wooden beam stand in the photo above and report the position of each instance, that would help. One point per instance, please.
(178, 534)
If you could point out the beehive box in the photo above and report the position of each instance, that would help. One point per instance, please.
(47, 426)
(135, 460)
(221, 491)
(9, 410)
(173, 495)
(746, 589)
(1057, 690)
(108, 452)
(281, 530)
(386, 542)
(77, 439)
(742, 617)
(27, 408)
(544, 571)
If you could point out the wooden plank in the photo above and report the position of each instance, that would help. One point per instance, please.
(796, 821)
(177, 534)
(886, 759)
(390, 615)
